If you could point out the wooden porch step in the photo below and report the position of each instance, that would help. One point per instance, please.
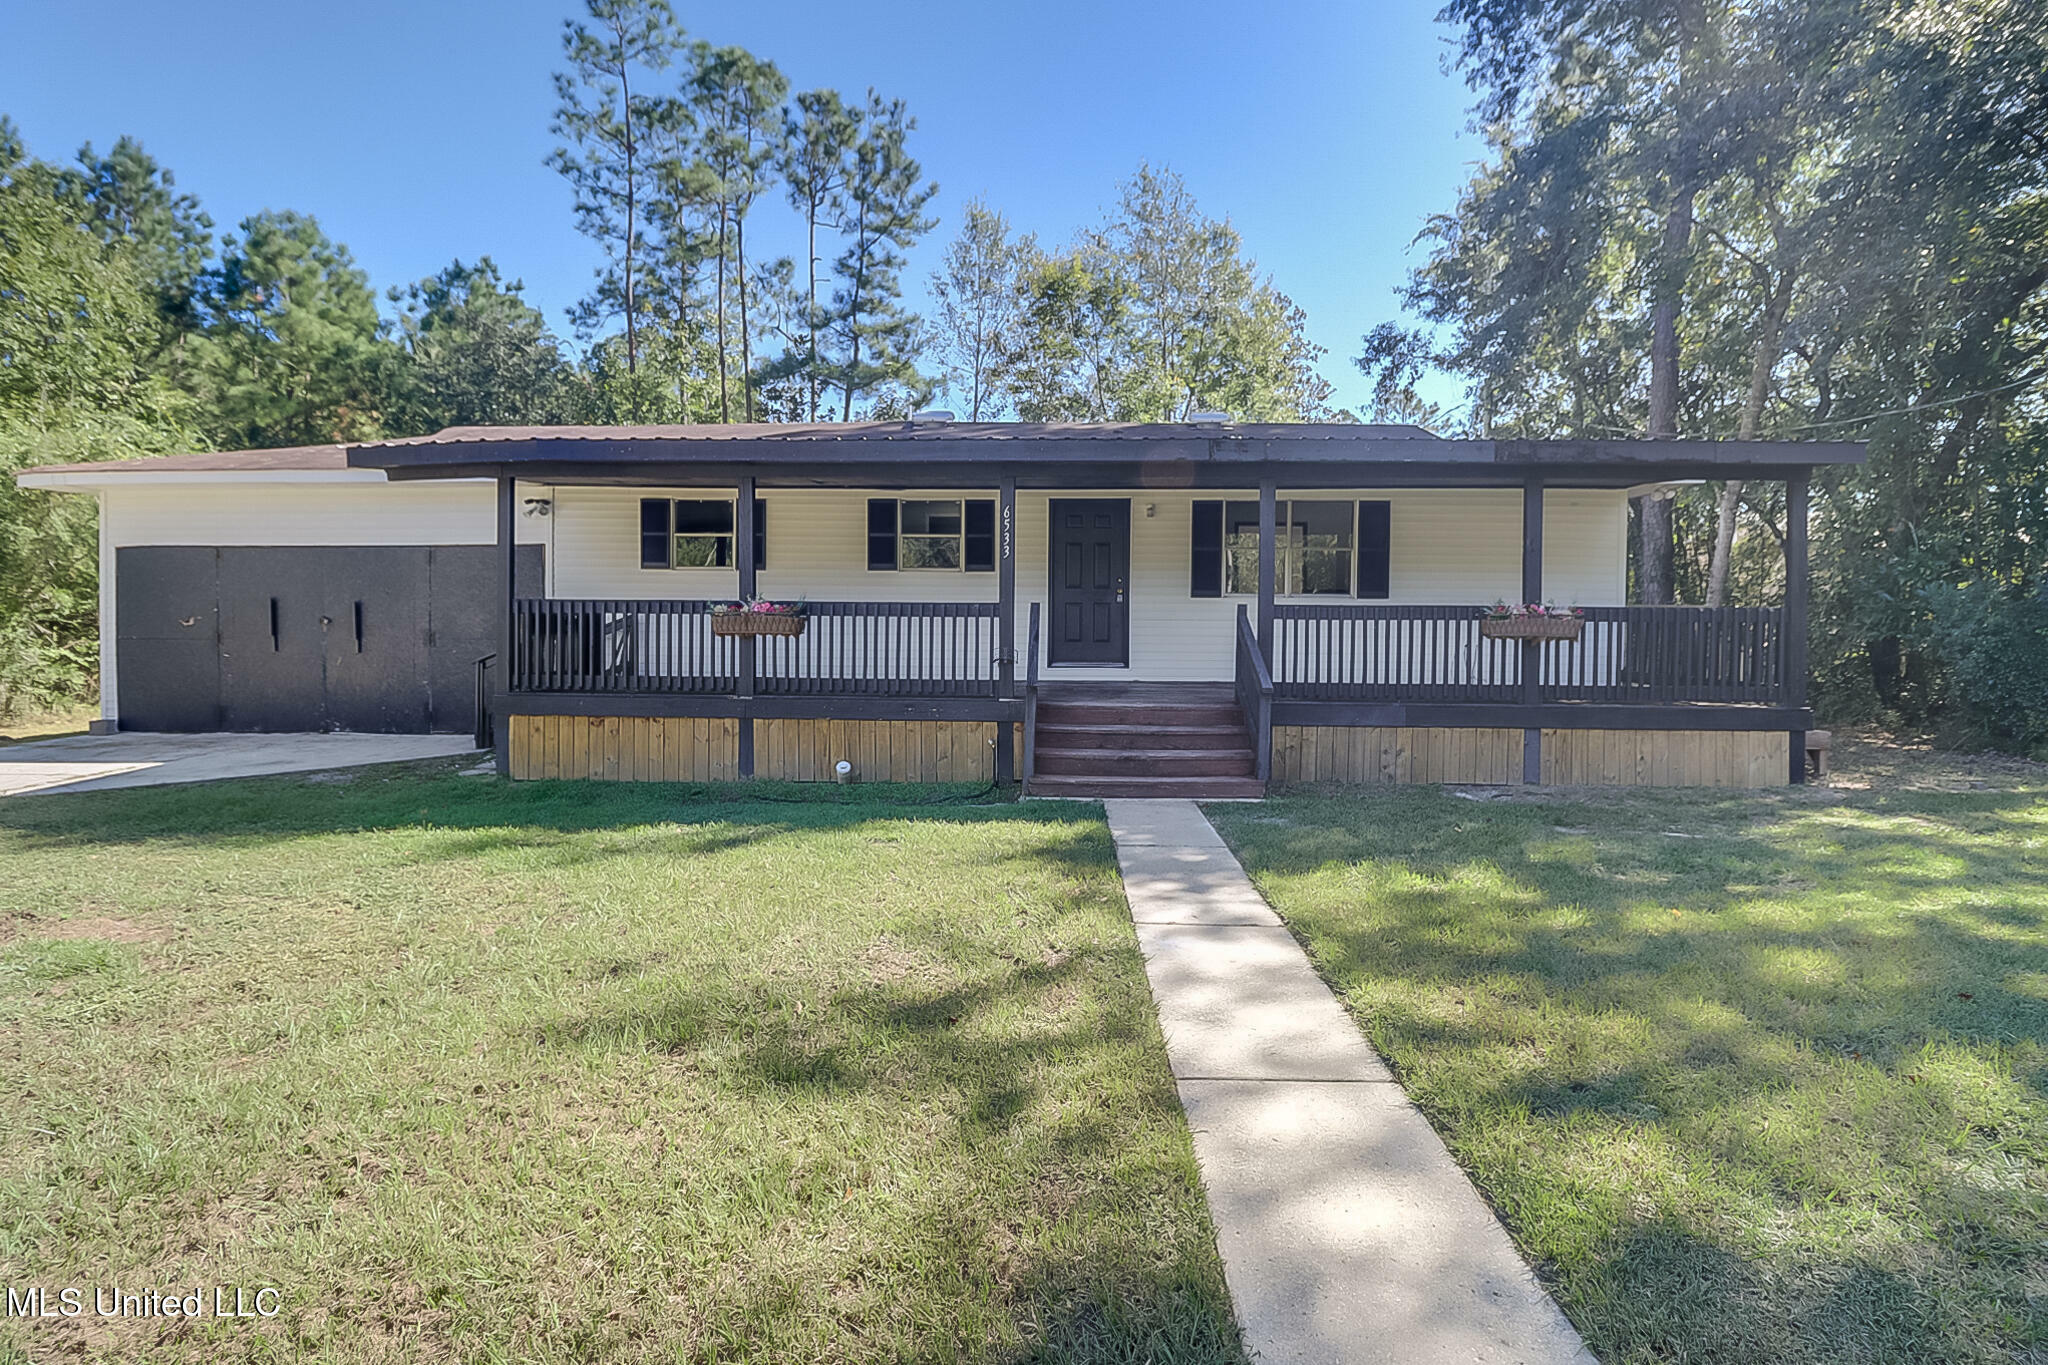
(1230, 762)
(1092, 714)
(1184, 788)
(1139, 736)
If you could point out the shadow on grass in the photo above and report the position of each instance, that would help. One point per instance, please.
(1799, 1024)
(999, 1062)
(402, 798)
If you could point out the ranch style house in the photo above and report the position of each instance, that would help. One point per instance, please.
(1193, 608)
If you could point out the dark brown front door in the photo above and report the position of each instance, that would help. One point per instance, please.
(1091, 579)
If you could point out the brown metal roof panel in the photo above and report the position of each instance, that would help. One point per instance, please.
(216, 461)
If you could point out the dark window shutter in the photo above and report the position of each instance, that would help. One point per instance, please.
(1205, 551)
(980, 535)
(760, 534)
(655, 520)
(881, 533)
(1375, 549)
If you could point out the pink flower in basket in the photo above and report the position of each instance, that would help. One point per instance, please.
(1507, 611)
(758, 606)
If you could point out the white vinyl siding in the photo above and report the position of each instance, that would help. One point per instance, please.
(1450, 547)
(409, 512)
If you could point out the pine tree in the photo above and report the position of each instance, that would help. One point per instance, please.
(818, 139)
(874, 338)
(607, 123)
(979, 291)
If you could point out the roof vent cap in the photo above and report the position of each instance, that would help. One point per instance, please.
(933, 416)
(1209, 419)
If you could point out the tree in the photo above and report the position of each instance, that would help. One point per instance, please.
(817, 140)
(294, 352)
(607, 122)
(738, 97)
(1157, 314)
(1864, 256)
(1072, 360)
(127, 196)
(78, 338)
(884, 218)
(980, 306)
(479, 354)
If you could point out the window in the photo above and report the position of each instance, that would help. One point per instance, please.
(932, 533)
(703, 535)
(930, 536)
(1320, 548)
(695, 533)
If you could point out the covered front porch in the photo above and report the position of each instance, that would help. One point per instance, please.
(950, 685)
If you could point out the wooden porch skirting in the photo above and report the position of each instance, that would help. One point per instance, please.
(707, 748)
(1612, 758)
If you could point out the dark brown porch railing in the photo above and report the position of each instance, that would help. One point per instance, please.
(1365, 653)
(888, 649)
(1254, 686)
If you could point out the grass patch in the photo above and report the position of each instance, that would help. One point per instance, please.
(1749, 1078)
(590, 1072)
(22, 729)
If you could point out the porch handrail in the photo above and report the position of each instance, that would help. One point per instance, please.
(1255, 693)
(1030, 698)
(609, 645)
(484, 729)
(1631, 654)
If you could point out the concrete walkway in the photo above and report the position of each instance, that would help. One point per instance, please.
(77, 763)
(1348, 1233)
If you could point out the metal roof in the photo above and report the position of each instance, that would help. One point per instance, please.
(805, 433)
(948, 454)
(212, 462)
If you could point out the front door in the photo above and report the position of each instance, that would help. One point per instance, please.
(1091, 577)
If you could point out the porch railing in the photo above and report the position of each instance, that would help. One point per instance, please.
(883, 649)
(1254, 686)
(1368, 653)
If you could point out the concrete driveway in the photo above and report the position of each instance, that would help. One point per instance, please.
(95, 762)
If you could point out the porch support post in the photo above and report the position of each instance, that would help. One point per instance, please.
(508, 586)
(743, 551)
(1006, 623)
(1268, 516)
(1797, 591)
(1532, 650)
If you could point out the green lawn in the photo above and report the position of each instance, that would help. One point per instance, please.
(1751, 1078)
(571, 1072)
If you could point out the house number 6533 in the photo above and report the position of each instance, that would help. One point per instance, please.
(1009, 529)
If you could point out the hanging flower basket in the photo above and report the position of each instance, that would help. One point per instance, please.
(758, 618)
(1531, 622)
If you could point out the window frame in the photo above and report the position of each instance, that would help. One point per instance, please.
(1288, 550)
(958, 537)
(1212, 555)
(974, 542)
(670, 535)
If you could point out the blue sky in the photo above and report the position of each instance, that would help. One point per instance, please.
(415, 132)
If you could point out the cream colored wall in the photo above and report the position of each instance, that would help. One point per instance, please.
(338, 512)
(1450, 547)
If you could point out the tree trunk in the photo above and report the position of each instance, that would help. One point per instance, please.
(632, 336)
(860, 268)
(739, 229)
(1654, 576)
(1762, 366)
(724, 396)
(811, 310)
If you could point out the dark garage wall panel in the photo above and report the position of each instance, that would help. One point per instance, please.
(167, 636)
(194, 631)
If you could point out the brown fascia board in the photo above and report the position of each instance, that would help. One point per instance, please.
(526, 450)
